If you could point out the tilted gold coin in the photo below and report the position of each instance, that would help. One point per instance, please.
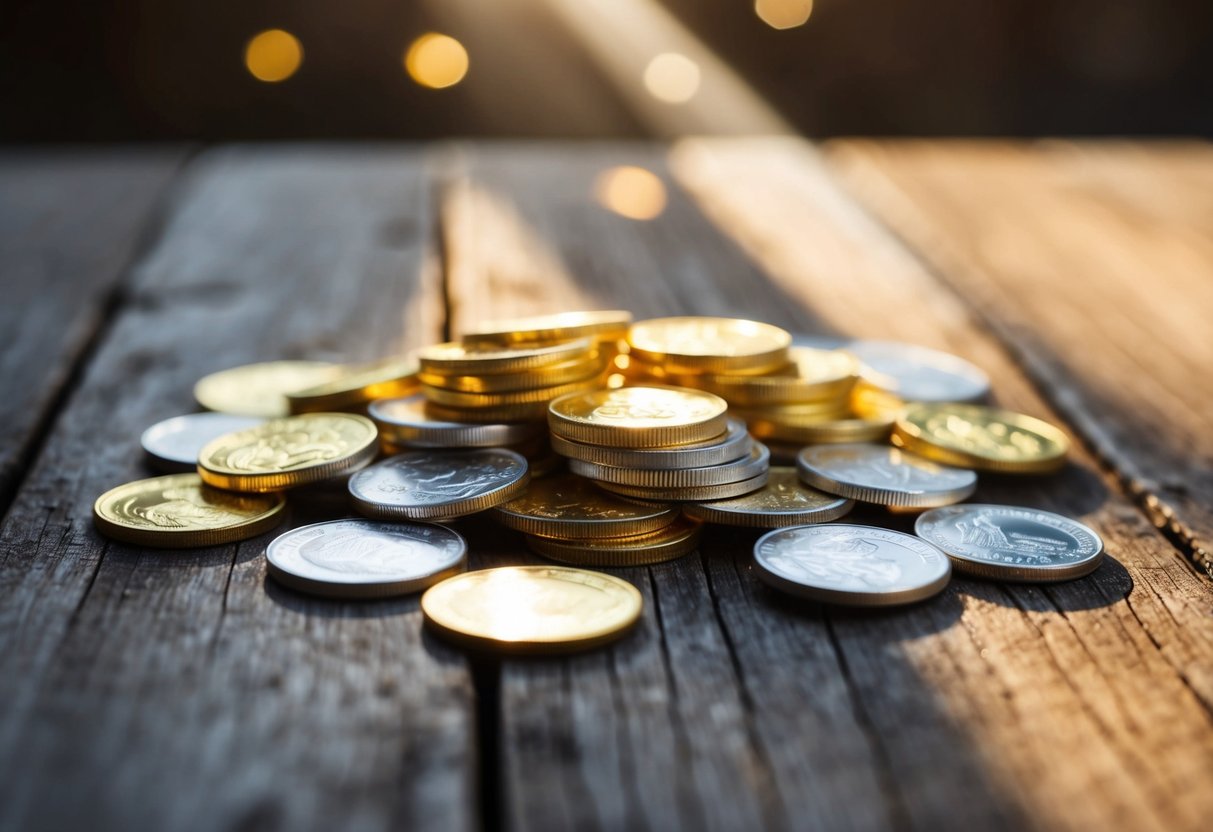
(675, 540)
(357, 384)
(567, 371)
(180, 511)
(639, 417)
(985, 438)
(460, 359)
(550, 329)
(260, 389)
(532, 609)
(783, 501)
(284, 453)
(709, 345)
(818, 375)
(567, 506)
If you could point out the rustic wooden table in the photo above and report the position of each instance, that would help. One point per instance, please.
(169, 690)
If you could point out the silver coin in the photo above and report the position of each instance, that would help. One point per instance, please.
(365, 559)
(403, 421)
(1012, 544)
(734, 444)
(883, 475)
(754, 463)
(855, 565)
(173, 445)
(920, 374)
(427, 485)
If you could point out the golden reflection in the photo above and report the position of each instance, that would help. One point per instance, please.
(783, 14)
(672, 77)
(436, 61)
(273, 55)
(631, 192)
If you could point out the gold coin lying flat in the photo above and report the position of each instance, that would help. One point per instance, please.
(284, 453)
(260, 389)
(568, 506)
(783, 501)
(550, 329)
(459, 359)
(532, 609)
(455, 398)
(709, 345)
(678, 539)
(550, 376)
(180, 511)
(357, 384)
(639, 417)
(818, 375)
(985, 438)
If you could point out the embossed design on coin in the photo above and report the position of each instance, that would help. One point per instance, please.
(883, 475)
(783, 501)
(985, 437)
(175, 443)
(260, 389)
(433, 484)
(846, 564)
(918, 373)
(1011, 543)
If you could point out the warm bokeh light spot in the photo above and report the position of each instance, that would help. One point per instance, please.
(784, 14)
(631, 192)
(273, 55)
(672, 77)
(436, 61)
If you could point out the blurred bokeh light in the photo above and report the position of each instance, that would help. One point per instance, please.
(273, 55)
(672, 78)
(783, 14)
(631, 192)
(436, 61)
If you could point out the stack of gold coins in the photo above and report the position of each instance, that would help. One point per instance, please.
(658, 443)
(605, 327)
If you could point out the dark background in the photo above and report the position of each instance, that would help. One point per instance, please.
(99, 70)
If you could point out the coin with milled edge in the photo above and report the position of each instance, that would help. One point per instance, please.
(733, 444)
(569, 506)
(751, 465)
(174, 444)
(460, 359)
(260, 389)
(783, 501)
(357, 384)
(1009, 543)
(883, 475)
(455, 398)
(180, 511)
(431, 485)
(405, 422)
(919, 373)
(532, 609)
(562, 373)
(284, 453)
(709, 345)
(853, 565)
(674, 541)
(547, 329)
(689, 494)
(497, 414)
(986, 438)
(364, 558)
(638, 417)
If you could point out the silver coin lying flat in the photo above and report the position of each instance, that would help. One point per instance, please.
(855, 565)
(919, 374)
(365, 559)
(883, 475)
(429, 485)
(1012, 544)
(173, 445)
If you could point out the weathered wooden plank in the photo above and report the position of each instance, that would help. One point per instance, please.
(182, 690)
(1094, 258)
(70, 221)
(992, 706)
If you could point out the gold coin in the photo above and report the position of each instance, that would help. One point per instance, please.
(753, 463)
(453, 398)
(686, 495)
(528, 412)
(283, 453)
(729, 446)
(818, 375)
(180, 511)
(568, 506)
(809, 433)
(870, 402)
(459, 359)
(532, 609)
(675, 540)
(260, 389)
(550, 329)
(709, 345)
(793, 415)
(563, 373)
(639, 417)
(984, 438)
(783, 501)
(357, 384)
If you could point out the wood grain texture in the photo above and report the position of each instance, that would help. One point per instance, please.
(180, 690)
(70, 222)
(1094, 259)
(990, 707)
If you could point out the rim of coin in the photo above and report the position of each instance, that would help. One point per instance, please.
(729, 446)
(674, 541)
(783, 501)
(883, 475)
(179, 511)
(454, 358)
(755, 462)
(988, 549)
(828, 432)
(173, 444)
(570, 506)
(559, 326)
(959, 434)
(288, 452)
(340, 558)
(532, 609)
(455, 398)
(819, 375)
(405, 421)
(688, 494)
(841, 564)
(701, 344)
(563, 373)
(424, 484)
(357, 384)
(530, 412)
(260, 389)
(639, 417)
(918, 373)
